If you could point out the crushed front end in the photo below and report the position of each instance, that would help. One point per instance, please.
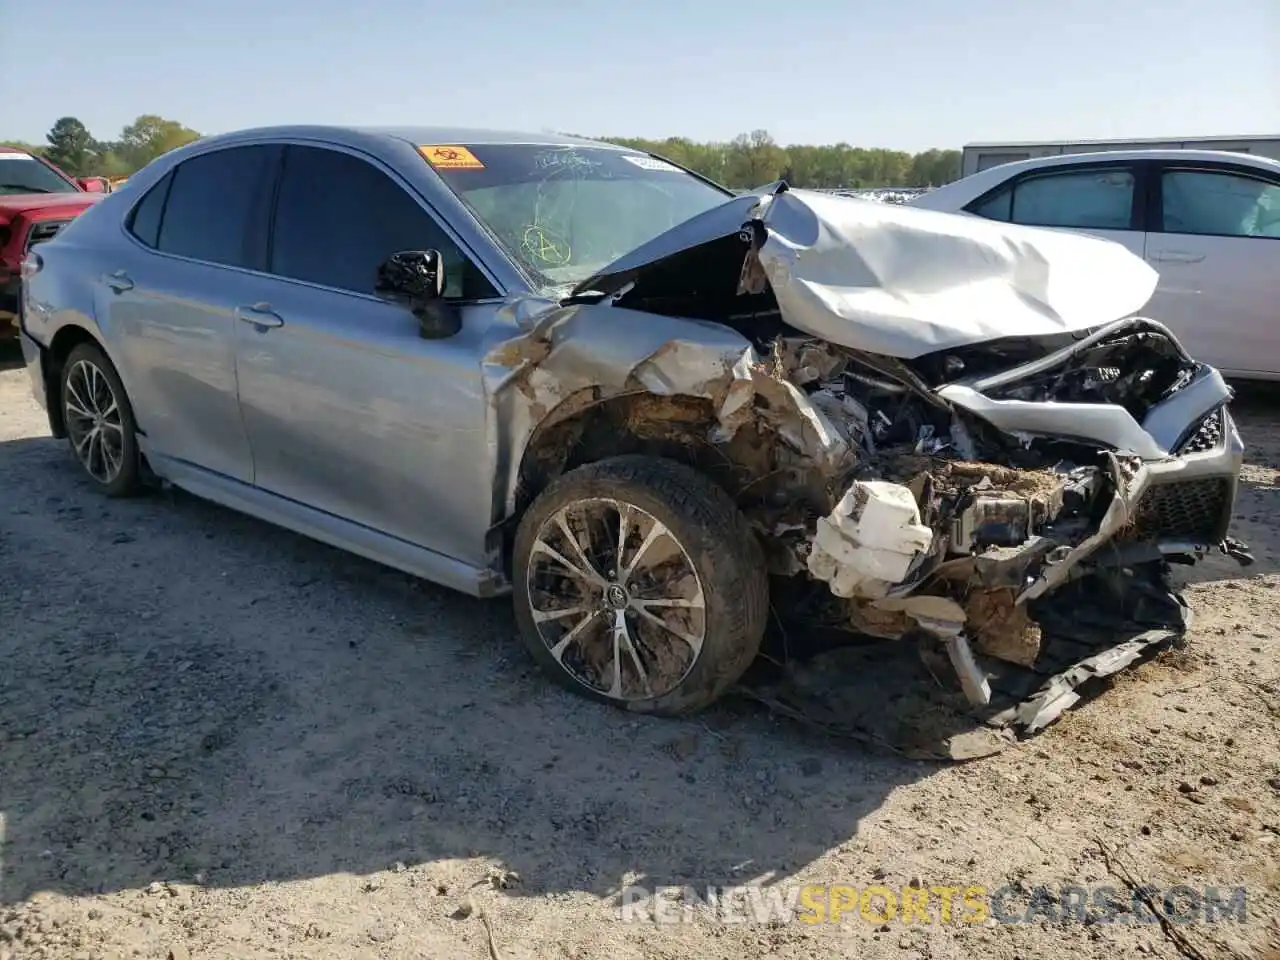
(943, 428)
(1020, 518)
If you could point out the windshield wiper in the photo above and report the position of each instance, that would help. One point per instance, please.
(23, 187)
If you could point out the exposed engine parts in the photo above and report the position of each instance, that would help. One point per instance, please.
(951, 497)
(939, 525)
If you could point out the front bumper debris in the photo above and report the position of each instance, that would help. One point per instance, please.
(1028, 628)
(918, 469)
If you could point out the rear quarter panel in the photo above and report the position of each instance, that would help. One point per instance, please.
(66, 290)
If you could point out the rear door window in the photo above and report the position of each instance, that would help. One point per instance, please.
(1096, 199)
(998, 206)
(215, 207)
(1219, 203)
(144, 222)
(338, 218)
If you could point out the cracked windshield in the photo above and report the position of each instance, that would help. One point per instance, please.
(565, 213)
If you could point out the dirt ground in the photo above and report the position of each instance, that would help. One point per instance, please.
(218, 739)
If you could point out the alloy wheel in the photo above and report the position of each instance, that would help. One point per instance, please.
(616, 599)
(94, 422)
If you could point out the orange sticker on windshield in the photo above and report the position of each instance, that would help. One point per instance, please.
(451, 158)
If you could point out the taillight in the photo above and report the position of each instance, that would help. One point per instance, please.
(31, 265)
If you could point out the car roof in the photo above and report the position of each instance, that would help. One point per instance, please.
(1166, 154)
(976, 184)
(417, 135)
(1244, 138)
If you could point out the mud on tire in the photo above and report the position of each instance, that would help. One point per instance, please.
(690, 567)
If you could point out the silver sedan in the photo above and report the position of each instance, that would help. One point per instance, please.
(647, 406)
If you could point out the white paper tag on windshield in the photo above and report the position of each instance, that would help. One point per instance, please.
(651, 163)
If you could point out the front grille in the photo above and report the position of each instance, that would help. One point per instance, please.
(1205, 436)
(1187, 510)
(43, 231)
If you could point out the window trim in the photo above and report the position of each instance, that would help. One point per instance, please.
(256, 209)
(1156, 224)
(1137, 207)
(280, 143)
(166, 181)
(410, 194)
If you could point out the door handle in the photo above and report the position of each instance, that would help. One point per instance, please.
(1176, 256)
(260, 315)
(118, 281)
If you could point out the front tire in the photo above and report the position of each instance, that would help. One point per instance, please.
(639, 583)
(99, 420)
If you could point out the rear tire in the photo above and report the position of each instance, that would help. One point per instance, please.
(101, 430)
(666, 624)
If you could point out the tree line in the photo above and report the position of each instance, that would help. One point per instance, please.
(71, 146)
(755, 159)
(749, 160)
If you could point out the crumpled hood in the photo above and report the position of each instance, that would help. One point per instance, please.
(902, 281)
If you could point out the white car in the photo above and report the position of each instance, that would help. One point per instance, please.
(1207, 221)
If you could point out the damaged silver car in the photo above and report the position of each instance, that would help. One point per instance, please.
(657, 412)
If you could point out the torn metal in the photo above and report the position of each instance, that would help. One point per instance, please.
(901, 281)
(937, 424)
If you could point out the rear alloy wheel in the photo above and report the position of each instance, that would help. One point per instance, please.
(99, 421)
(639, 583)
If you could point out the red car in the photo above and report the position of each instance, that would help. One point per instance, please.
(36, 201)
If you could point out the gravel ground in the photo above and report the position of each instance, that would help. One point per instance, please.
(218, 739)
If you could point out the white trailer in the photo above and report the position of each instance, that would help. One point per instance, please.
(983, 156)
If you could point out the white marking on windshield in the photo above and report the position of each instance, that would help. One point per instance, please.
(652, 163)
(565, 159)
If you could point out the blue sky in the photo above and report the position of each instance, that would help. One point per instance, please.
(907, 75)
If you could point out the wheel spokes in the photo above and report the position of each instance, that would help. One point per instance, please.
(114, 457)
(563, 643)
(693, 640)
(81, 442)
(562, 522)
(586, 575)
(622, 641)
(656, 532)
(591, 589)
(93, 420)
(81, 407)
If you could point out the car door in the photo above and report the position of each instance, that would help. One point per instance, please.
(169, 298)
(1100, 198)
(348, 408)
(1215, 239)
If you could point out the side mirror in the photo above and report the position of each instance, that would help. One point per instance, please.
(416, 277)
(92, 184)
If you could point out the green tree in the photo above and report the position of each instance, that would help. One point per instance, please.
(70, 146)
(148, 137)
(108, 161)
(748, 160)
(754, 159)
(934, 167)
